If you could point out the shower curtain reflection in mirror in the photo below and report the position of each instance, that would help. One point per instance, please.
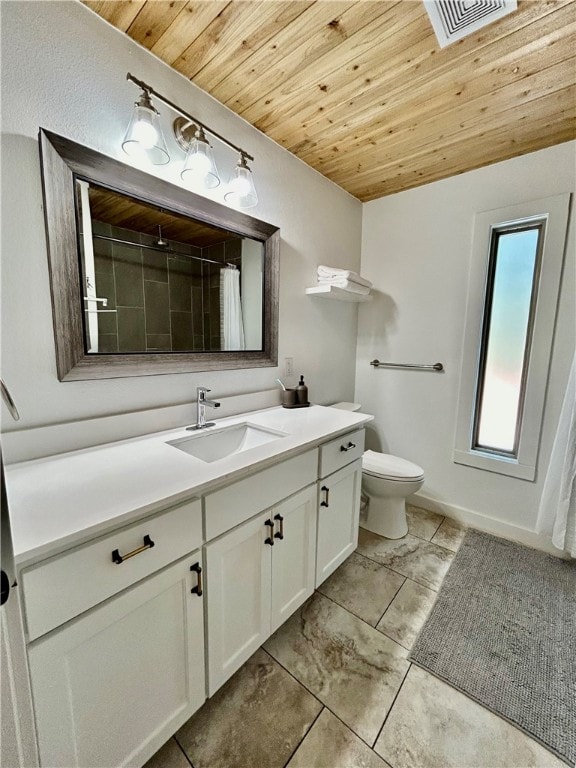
(231, 323)
(87, 251)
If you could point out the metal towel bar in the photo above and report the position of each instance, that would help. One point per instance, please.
(436, 367)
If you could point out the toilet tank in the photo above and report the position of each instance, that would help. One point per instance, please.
(347, 406)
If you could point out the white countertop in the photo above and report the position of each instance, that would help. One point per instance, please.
(61, 501)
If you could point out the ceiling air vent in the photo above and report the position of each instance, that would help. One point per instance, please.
(454, 19)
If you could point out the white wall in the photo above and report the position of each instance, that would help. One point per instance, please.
(416, 248)
(64, 69)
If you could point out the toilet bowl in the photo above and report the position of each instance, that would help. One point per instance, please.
(387, 480)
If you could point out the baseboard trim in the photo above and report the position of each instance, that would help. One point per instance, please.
(487, 524)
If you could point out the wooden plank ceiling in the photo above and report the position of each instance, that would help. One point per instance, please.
(361, 91)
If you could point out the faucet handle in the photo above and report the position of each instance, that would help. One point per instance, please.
(201, 391)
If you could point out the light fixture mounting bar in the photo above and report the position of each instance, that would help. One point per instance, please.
(149, 90)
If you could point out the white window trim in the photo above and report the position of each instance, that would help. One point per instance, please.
(555, 211)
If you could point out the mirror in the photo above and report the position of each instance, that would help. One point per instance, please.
(160, 282)
(148, 278)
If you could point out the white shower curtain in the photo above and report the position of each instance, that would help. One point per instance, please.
(557, 512)
(91, 309)
(231, 326)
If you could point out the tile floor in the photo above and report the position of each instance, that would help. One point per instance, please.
(333, 687)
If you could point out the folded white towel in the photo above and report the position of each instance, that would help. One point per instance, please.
(347, 285)
(325, 272)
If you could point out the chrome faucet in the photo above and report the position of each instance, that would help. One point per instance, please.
(201, 403)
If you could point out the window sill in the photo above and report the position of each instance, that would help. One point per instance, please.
(490, 463)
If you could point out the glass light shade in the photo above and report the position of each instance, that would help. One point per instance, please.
(241, 190)
(144, 139)
(200, 168)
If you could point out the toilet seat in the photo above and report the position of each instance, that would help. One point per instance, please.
(390, 467)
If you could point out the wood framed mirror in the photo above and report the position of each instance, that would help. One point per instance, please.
(148, 278)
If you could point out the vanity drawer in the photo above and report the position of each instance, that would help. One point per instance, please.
(238, 502)
(61, 588)
(341, 451)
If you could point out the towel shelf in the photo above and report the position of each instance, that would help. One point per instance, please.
(340, 294)
(438, 367)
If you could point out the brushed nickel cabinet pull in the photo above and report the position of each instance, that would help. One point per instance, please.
(270, 539)
(118, 558)
(327, 497)
(280, 534)
(347, 447)
(197, 590)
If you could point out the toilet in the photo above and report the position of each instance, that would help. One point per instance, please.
(386, 482)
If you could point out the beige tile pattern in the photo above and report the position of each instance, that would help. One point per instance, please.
(421, 561)
(257, 718)
(422, 522)
(263, 717)
(450, 534)
(168, 756)
(407, 613)
(435, 726)
(331, 745)
(363, 587)
(351, 667)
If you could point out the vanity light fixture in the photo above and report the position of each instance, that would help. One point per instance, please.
(200, 168)
(144, 140)
(241, 190)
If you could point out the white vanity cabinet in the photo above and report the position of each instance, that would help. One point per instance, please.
(112, 684)
(111, 687)
(339, 501)
(258, 575)
(118, 653)
(293, 556)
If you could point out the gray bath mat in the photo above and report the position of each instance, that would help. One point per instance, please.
(503, 631)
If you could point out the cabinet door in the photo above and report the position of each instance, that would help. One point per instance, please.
(338, 517)
(294, 555)
(111, 686)
(18, 738)
(238, 568)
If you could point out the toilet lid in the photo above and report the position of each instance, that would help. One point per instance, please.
(386, 465)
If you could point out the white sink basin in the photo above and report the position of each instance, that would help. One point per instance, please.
(214, 445)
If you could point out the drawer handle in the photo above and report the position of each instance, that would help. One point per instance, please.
(197, 590)
(347, 447)
(118, 558)
(270, 539)
(280, 534)
(327, 499)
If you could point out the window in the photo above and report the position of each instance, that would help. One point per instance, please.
(506, 337)
(513, 294)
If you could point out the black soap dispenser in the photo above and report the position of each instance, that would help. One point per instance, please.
(302, 392)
